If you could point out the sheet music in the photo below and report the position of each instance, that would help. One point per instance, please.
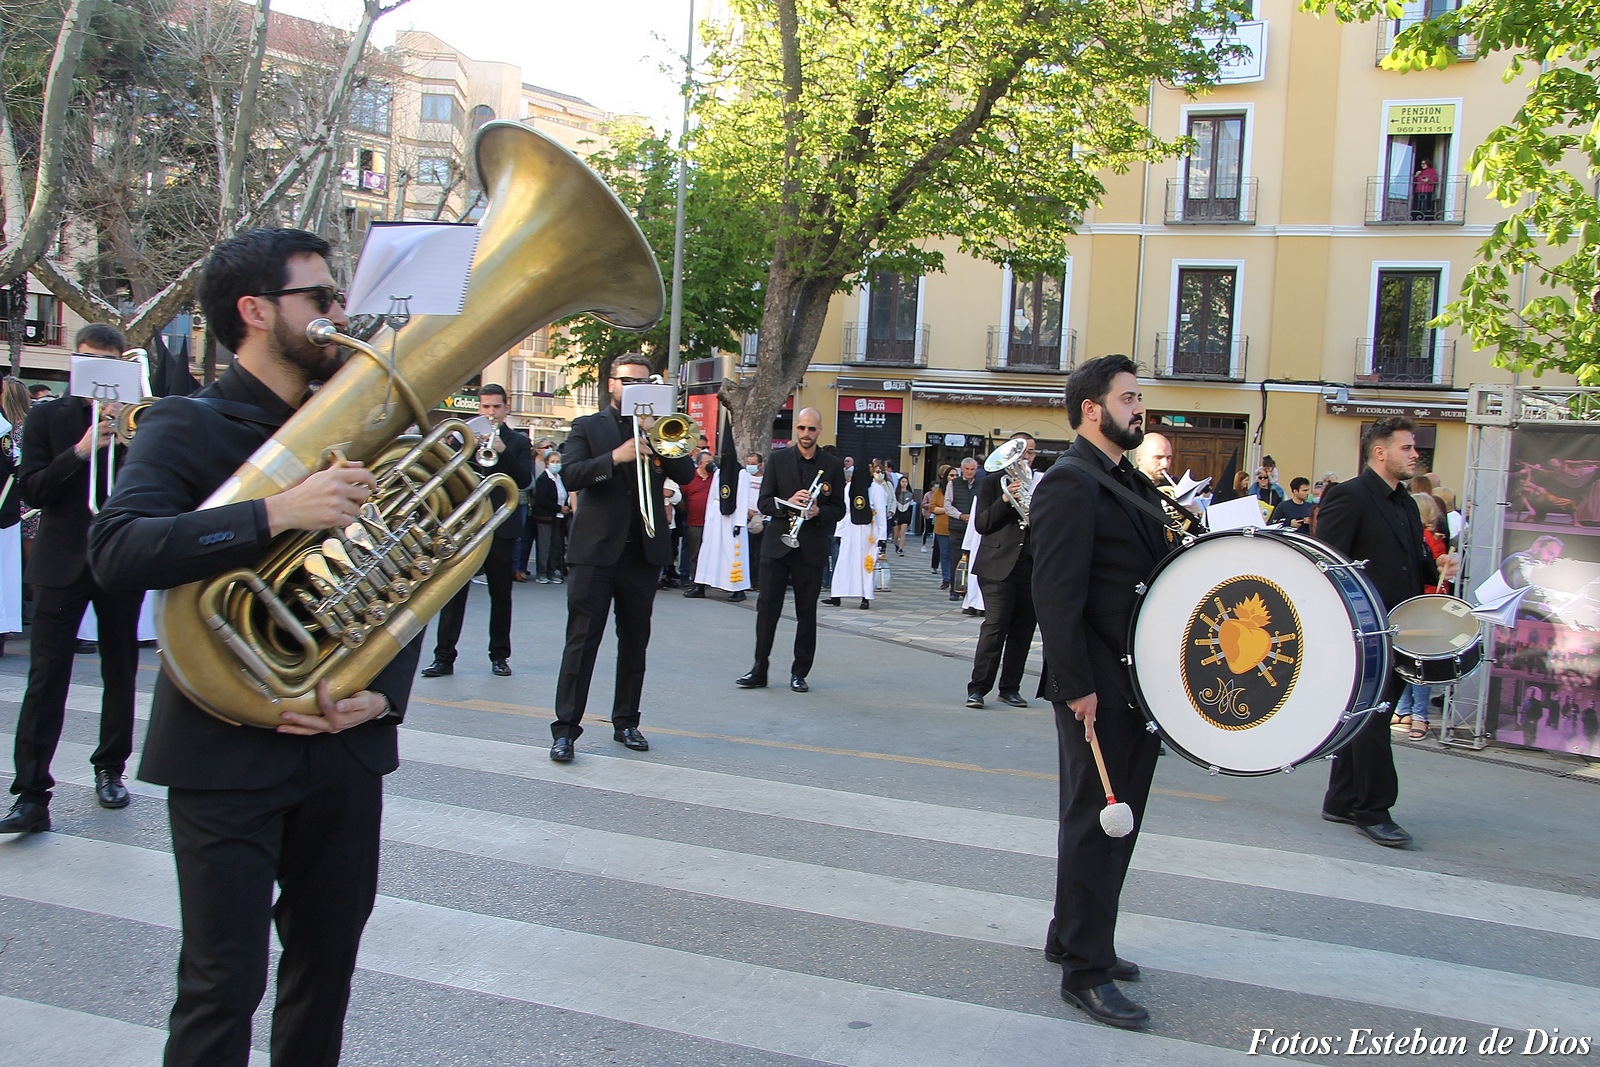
(427, 262)
(107, 379)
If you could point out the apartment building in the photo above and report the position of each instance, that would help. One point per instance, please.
(1275, 287)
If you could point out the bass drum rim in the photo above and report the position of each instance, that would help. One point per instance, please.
(1352, 719)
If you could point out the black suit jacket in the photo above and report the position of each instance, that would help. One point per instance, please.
(1090, 550)
(56, 481)
(517, 461)
(608, 499)
(149, 535)
(1001, 528)
(546, 503)
(1360, 519)
(782, 481)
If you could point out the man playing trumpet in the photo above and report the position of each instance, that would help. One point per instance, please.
(791, 472)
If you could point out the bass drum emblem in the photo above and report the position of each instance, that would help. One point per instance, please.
(1241, 654)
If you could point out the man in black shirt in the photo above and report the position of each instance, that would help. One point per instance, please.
(1296, 511)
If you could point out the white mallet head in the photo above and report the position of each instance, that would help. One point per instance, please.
(1116, 820)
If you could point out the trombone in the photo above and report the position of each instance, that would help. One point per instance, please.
(670, 437)
(124, 423)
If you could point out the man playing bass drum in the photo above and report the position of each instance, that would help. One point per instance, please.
(300, 806)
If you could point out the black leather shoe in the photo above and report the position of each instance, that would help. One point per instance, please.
(831, 601)
(974, 699)
(88, 648)
(865, 605)
(109, 790)
(26, 817)
(500, 668)
(561, 751)
(1107, 1004)
(438, 669)
(738, 598)
(1121, 971)
(695, 592)
(632, 738)
(756, 679)
(1013, 698)
(798, 684)
(1388, 834)
(1334, 816)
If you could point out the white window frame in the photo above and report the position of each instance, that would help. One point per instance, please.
(1248, 109)
(1446, 204)
(1371, 328)
(864, 309)
(1236, 354)
(1006, 280)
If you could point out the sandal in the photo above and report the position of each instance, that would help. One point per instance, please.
(1419, 732)
(1400, 722)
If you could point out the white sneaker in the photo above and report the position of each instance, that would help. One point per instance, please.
(478, 579)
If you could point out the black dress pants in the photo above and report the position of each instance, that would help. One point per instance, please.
(777, 575)
(1007, 634)
(1090, 866)
(54, 642)
(627, 589)
(316, 836)
(497, 570)
(1362, 782)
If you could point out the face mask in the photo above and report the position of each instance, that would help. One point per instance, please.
(553, 467)
(752, 467)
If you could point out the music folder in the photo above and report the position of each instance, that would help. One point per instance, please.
(649, 399)
(417, 268)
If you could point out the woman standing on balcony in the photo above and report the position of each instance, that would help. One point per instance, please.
(1425, 186)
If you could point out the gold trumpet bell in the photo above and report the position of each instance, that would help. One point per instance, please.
(339, 605)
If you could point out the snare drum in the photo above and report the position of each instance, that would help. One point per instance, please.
(1437, 640)
(1253, 651)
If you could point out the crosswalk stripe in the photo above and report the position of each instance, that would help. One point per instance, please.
(699, 996)
(1217, 861)
(42, 1035)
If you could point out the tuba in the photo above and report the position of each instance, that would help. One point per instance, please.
(338, 605)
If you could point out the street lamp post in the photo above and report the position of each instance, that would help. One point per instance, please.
(675, 325)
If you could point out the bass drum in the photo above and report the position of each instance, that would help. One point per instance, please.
(1253, 651)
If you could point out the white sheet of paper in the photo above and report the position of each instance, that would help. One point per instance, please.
(1187, 488)
(1491, 591)
(107, 379)
(657, 400)
(428, 263)
(1243, 513)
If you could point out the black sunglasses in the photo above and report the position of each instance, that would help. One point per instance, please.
(325, 296)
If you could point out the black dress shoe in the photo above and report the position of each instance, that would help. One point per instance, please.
(632, 738)
(1107, 1004)
(866, 605)
(500, 668)
(1012, 697)
(756, 679)
(974, 699)
(798, 684)
(109, 790)
(695, 592)
(1121, 971)
(738, 598)
(831, 601)
(88, 648)
(561, 750)
(1388, 834)
(26, 817)
(1334, 816)
(438, 669)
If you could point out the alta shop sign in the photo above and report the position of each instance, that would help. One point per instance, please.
(875, 405)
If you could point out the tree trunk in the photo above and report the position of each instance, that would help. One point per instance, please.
(16, 299)
(791, 325)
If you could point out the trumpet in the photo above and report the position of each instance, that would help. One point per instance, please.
(485, 429)
(1011, 458)
(792, 537)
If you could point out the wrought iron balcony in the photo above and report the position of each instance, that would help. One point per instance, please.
(1466, 46)
(1213, 362)
(1394, 201)
(34, 332)
(1010, 350)
(1426, 364)
(861, 347)
(1232, 204)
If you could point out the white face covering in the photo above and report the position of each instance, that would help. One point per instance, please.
(752, 467)
(553, 468)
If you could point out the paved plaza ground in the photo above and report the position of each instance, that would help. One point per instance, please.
(858, 875)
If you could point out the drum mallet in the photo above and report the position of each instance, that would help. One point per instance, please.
(1117, 818)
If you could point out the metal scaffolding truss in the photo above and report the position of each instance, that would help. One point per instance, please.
(1493, 414)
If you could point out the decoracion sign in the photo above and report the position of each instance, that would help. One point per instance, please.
(1407, 120)
(1378, 410)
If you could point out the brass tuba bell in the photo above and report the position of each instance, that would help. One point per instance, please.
(338, 605)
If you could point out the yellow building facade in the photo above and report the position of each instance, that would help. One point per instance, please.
(1274, 286)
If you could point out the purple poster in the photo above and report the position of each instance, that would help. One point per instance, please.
(1543, 683)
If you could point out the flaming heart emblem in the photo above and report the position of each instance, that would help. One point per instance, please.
(1244, 638)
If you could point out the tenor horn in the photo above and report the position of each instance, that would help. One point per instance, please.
(338, 605)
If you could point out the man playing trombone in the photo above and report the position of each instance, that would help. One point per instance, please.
(615, 554)
(802, 492)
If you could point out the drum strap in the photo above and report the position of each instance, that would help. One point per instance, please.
(1167, 521)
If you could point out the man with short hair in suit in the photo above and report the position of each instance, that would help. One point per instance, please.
(1091, 548)
(513, 456)
(614, 564)
(1004, 569)
(295, 809)
(789, 475)
(1373, 517)
(54, 475)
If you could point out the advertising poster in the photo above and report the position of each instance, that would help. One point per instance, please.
(1543, 683)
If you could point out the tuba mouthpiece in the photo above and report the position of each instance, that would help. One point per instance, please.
(322, 332)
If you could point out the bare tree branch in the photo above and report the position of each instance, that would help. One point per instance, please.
(25, 239)
(233, 177)
(90, 306)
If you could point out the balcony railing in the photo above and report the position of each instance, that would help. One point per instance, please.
(523, 403)
(1466, 47)
(1007, 351)
(1428, 364)
(1233, 204)
(1394, 201)
(861, 347)
(34, 332)
(1217, 362)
